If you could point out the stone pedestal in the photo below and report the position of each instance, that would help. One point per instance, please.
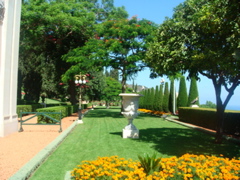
(130, 133)
(130, 107)
(10, 13)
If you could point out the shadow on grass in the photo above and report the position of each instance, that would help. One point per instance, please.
(176, 141)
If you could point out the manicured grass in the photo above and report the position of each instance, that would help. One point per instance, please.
(100, 135)
(50, 101)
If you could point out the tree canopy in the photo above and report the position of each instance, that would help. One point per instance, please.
(120, 44)
(201, 38)
(50, 29)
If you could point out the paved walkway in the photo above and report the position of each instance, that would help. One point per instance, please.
(19, 148)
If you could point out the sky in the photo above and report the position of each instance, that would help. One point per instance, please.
(157, 11)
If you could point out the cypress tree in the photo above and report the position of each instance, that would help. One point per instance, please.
(133, 87)
(147, 102)
(165, 98)
(136, 88)
(160, 100)
(182, 100)
(193, 92)
(151, 99)
(171, 97)
(144, 99)
(156, 99)
(141, 100)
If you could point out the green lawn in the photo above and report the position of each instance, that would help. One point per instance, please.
(50, 101)
(100, 135)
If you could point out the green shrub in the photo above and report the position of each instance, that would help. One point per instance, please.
(65, 111)
(206, 117)
(28, 108)
(23, 108)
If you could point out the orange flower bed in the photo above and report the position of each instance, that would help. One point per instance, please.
(188, 166)
(160, 113)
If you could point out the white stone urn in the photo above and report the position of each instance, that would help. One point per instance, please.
(130, 107)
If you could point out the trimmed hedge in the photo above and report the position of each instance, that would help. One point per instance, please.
(206, 117)
(65, 111)
(28, 108)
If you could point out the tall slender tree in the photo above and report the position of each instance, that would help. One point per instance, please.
(172, 97)
(160, 100)
(193, 97)
(165, 104)
(156, 99)
(182, 99)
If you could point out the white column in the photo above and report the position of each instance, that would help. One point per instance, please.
(9, 47)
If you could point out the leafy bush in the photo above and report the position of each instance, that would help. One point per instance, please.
(27, 108)
(188, 166)
(209, 104)
(65, 111)
(23, 108)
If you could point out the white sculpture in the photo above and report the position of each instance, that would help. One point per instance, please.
(130, 107)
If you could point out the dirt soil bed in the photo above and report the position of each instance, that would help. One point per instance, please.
(18, 148)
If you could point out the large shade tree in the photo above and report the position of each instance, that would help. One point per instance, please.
(202, 38)
(120, 44)
(50, 29)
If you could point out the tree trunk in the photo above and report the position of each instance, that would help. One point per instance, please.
(219, 113)
(221, 106)
(72, 92)
(219, 123)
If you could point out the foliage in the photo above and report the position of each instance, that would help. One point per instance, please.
(114, 74)
(50, 29)
(119, 43)
(193, 97)
(151, 98)
(156, 99)
(96, 85)
(148, 96)
(188, 166)
(165, 103)
(149, 164)
(112, 90)
(201, 38)
(160, 100)
(61, 111)
(172, 97)
(208, 104)
(45, 37)
(182, 98)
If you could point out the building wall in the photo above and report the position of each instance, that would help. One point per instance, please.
(9, 47)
